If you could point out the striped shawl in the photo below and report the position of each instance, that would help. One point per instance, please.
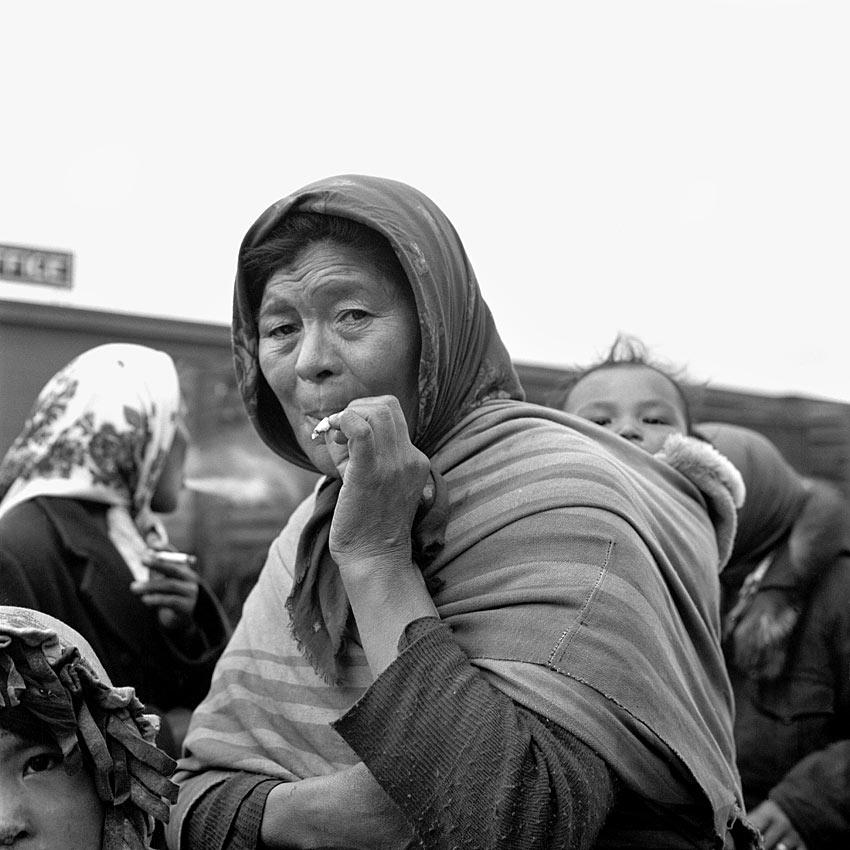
(579, 574)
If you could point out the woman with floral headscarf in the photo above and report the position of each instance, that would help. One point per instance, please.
(102, 450)
(488, 626)
(79, 769)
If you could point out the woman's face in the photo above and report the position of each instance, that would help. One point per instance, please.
(40, 804)
(634, 401)
(332, 328)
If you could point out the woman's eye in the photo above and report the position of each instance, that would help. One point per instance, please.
(353, 315)
(42, 762)
(600, 420)
(655, 420)
(285, 329)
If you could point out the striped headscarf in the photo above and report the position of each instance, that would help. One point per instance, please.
(51, 679)
(462, 363)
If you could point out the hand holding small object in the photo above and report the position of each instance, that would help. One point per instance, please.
(325, 426)
(172, 588)
(321, 428)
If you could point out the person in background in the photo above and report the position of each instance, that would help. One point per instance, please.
(79, 769)
(102, 450)
(785, 603)
(487, 626)
(786, 612)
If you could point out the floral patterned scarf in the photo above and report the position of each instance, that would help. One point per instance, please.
(462, 364)
(50, 678)
(100, 430)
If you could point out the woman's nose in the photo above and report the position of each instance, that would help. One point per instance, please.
(317, 358)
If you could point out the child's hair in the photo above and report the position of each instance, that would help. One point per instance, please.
(626, 351)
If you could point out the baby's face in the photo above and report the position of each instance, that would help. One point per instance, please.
(636, 402)
(41, 805)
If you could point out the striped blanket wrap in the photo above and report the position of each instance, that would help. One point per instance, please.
(579, 574)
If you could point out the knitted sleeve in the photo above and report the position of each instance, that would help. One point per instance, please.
(229, 815)
(466, 764)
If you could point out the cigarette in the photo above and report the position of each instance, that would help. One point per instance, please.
(176, 558)
(321, 428)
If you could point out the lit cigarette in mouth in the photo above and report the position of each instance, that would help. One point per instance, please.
(321, 428)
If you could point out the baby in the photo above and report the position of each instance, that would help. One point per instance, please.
(630, 396)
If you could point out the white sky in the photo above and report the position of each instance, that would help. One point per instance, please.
(678, 170)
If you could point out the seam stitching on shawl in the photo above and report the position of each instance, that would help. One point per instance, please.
(567, 634)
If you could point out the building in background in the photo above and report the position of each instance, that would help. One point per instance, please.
(242, 493)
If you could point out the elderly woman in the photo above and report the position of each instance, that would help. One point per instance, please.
(485, 627)
(102, 450)
(78, 766)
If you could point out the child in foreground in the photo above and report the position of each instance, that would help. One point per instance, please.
(78, 764)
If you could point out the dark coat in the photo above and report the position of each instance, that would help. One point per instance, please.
(793, 732)
(56, 557)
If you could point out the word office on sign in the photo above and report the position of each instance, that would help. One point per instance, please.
(21, 264)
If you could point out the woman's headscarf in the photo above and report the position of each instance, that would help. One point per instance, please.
(100, 430)
(775, 494)
(787, 537)
(463, 362)
(51, 679)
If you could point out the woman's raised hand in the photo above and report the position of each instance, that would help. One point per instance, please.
(383, 475)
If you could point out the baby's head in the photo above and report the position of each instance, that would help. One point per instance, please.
(630, 395)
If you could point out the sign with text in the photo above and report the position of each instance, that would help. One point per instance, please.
(21, 264)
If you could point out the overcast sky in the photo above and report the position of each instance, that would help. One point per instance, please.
(677, 170)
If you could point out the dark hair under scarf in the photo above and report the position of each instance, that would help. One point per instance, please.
(463, 363)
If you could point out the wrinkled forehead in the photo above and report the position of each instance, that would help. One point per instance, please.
(328, 269)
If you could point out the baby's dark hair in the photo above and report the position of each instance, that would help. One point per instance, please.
(627, 351)
(295, 232)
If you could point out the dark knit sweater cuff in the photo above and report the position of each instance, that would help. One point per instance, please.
(229, 816)
(417, 629)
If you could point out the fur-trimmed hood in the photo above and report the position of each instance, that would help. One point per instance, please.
(717, 479)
